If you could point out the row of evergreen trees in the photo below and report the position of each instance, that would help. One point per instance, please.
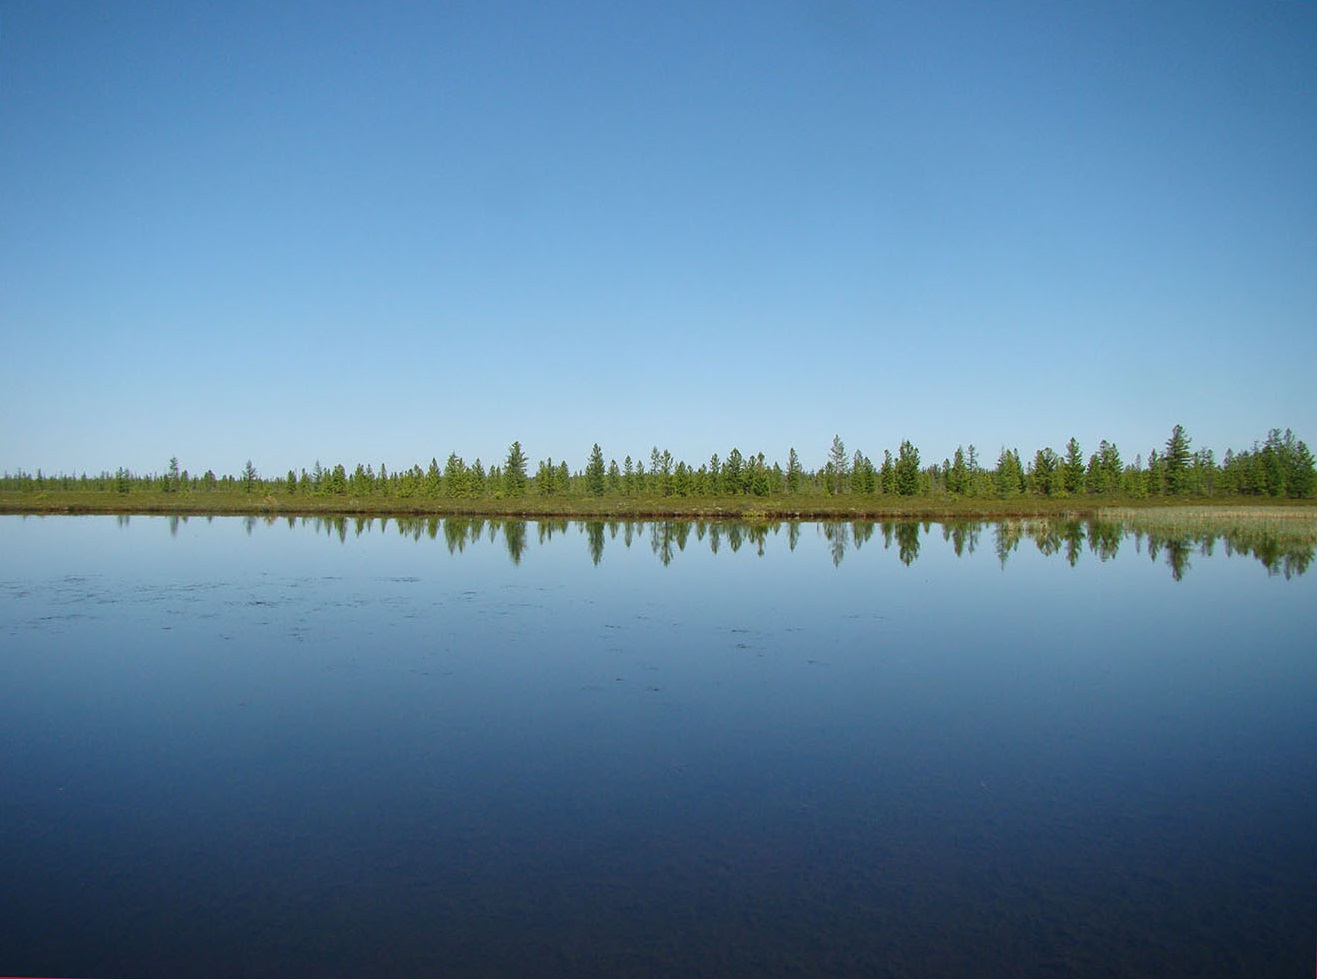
(1281, 466)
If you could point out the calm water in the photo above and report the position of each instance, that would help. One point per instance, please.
(283, 748)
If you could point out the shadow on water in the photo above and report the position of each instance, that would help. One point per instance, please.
(1283, 548)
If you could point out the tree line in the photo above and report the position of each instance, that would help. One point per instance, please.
(1281, 466)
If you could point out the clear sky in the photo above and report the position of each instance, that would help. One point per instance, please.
(382, 232)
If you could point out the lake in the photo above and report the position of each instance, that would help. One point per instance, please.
(296, 747)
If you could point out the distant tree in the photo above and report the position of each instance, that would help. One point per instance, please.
(1302, 478)
(794, 472)
(595, 473)
(514, 471)
(665, 470)
(887, 473)
(291, 481)
(907, 469)
(1072, 468)
(681, 480)
(759, 480)
(958, 473)
(614, 478)
(1009, 475)
(172, 481)
(732, 472)
(864, 478)
(1175, 462)
(455, 476)
(1043, 475)
(1203, 472)
(249, 477)
(838, 468)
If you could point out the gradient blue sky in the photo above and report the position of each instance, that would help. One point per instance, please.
(383, 232)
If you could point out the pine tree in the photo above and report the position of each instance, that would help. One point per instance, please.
(793, 472)
(514, 471)
(732, 473)
(907, 469)
(1302, 479)
(595, 472)
(1175, 463)
(958, 473)
(1009, 476)
(1072, 468)
(838, 468)
(1043, 473)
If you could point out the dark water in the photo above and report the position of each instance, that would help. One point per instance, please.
(270, 749)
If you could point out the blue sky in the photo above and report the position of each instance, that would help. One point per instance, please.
(384, 232)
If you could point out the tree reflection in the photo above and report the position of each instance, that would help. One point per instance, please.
(907, 543)
(514, 539)
(1286, 549)
(837, 535)
(594, 539)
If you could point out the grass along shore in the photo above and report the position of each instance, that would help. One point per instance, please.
(1159, 514)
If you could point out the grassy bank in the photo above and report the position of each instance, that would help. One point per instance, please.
(1154, 513)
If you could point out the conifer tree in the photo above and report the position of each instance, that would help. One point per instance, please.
(838, 469)
(793, 472)
(1072, 468)
(595, 472)
(1175, 463)
(907, 469)
(514, 471)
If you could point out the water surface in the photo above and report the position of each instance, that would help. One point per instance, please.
(340, 748)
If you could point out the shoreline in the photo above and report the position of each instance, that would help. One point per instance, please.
(747, 510)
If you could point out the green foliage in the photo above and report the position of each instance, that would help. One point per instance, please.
(958, 473)
(907, 469)
(837, 468)
(514, 471)
(794, 474)
(595, 473)
(1282, 467)
(733, 473)
(1175, 463)
(1009, 475)
(1043, 476)
(1072, 468)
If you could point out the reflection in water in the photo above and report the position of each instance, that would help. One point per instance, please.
(1283, 548)
(517, 760)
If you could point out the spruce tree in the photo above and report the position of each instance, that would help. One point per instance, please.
(793, 472)
(838, 468)
(907, 469)
(1175, 463)
(1072, 468)
(514, 471)
(595, 472)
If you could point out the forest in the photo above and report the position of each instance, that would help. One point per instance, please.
(1279, 467)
